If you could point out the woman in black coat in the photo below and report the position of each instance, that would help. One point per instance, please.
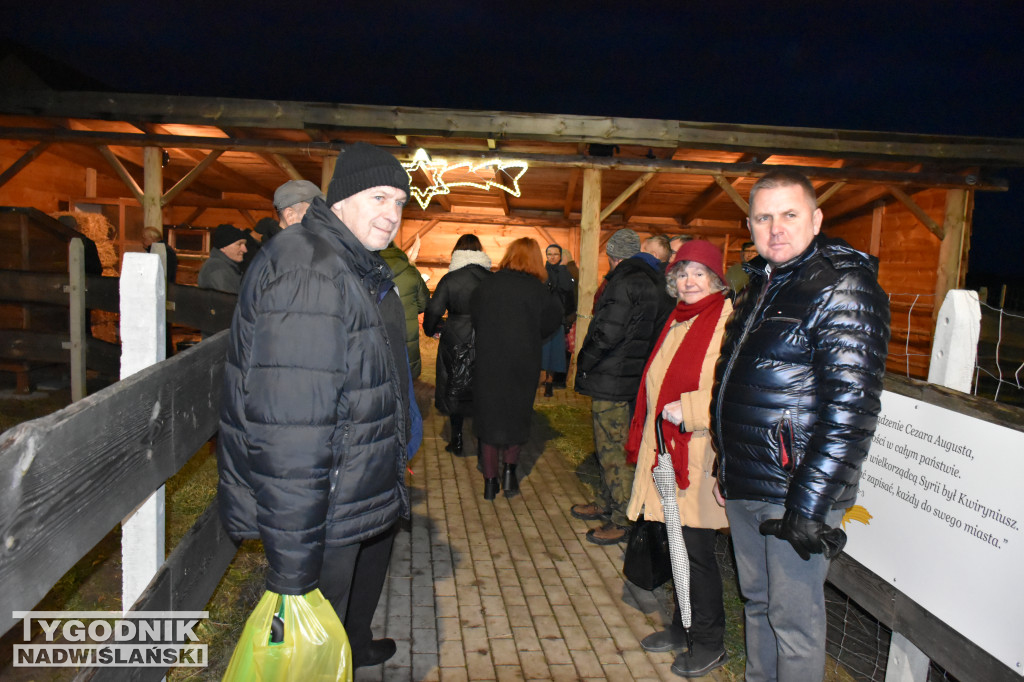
(513, 312)
(469, 266)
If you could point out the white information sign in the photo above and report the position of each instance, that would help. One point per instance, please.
(941, 513)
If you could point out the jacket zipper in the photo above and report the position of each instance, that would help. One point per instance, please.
(784, 436)
(732, 361)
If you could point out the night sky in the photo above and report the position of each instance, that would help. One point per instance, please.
(921, 67)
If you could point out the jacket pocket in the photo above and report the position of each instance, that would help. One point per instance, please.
(784, 440)
(340, 451)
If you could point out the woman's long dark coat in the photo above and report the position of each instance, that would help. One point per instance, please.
(453, 293)
(513, 312)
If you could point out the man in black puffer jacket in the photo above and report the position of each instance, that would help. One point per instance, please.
(793, 410)
(628, 316)
(315, 409)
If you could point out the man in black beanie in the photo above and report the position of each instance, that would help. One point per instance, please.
(315, 412)
(223, 269)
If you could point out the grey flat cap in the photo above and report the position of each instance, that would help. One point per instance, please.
(295, 192)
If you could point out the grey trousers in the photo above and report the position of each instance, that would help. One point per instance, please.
(785, 609)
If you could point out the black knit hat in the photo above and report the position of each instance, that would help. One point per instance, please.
(362, 166)
(225, 235)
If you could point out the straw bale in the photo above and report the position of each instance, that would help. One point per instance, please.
(96, 227)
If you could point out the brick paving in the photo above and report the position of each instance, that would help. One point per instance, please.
(509, 589)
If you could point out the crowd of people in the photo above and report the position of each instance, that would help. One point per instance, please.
(757, 388)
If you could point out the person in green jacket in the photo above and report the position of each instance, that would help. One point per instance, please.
(415, 296)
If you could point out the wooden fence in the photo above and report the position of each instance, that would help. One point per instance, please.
(72, 476)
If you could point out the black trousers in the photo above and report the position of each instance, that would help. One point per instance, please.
(352, 579)
(705, 590)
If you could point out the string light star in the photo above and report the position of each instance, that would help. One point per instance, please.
(422, 162)
(435, 170)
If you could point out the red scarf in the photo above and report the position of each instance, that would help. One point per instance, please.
(683, 376)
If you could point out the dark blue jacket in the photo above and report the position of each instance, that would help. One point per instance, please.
(627, 319)
(798, 383)
(313, 432)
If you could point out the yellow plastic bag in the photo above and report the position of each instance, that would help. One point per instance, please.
(314, 645)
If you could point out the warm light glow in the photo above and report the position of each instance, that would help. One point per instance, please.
(435, 171)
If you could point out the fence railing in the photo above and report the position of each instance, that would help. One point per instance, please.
(72, 476)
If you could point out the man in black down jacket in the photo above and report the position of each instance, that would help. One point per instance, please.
(315, 410)
(628, 316)
(793, 410)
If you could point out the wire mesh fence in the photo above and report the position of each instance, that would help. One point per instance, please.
(999, 368)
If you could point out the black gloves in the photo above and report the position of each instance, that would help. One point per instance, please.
(806, 535)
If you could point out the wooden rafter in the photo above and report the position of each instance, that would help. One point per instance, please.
(628, 192)
(570, 194)
(731, 192)
(24, 160)
(918, 212)
(170, 194)
(122, 173)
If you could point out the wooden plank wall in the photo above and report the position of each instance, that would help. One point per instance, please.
(908, 254)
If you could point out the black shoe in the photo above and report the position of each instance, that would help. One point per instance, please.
(491, 487)
(509, 482)
(548, 393)
(375, 653)
(699, 661)
(455, 446)
(672, 639)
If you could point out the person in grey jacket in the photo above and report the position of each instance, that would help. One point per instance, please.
(794, 407)
(222, 271)
(315, 409)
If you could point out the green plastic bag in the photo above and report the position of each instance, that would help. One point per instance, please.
(314, 645)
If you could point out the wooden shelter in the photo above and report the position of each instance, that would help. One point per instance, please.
(189, 163)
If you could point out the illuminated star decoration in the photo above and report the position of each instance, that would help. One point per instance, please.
(435, 171)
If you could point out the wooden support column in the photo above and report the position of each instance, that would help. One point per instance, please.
(876, 229)
(327, 172)
(951, 267)
(153, 188)
(78, 322)
(590, 238)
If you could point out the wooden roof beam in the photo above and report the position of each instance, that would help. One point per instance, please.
(24, 160)
(731, 192)
(942, 180)
(122, 173)
(242, 183)
(170, 194)
(500, 125)
(628, 192)
(918, 212)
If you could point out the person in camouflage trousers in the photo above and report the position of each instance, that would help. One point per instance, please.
(611, 429)
(628, 316)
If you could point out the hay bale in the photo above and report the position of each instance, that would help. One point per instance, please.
(96, 227)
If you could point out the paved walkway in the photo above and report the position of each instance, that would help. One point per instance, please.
(509, 589)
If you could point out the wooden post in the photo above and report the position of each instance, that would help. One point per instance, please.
(327, 172)
(77, 324)
(590, 239)
(143, 324)
(153, 188)
(876, 229)
(955, 228)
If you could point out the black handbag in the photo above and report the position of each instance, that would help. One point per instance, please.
(648, 563)
(460, 375)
